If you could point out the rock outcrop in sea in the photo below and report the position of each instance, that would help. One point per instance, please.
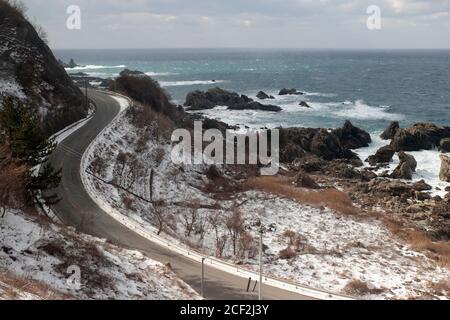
(199, 100)
(420, 136)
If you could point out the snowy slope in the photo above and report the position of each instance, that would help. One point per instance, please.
(35, 251)
(334, 251)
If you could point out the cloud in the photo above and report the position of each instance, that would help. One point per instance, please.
(245, 23)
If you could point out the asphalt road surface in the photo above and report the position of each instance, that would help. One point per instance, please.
(77, 209)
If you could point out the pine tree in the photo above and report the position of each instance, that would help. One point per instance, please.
(42, 182)
(30, 146)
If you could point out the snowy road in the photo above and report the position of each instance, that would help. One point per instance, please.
(79, 210)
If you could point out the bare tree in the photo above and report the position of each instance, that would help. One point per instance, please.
(216, 221)
(122, 159)
(190, 217)
(160, 214)
(235, 226)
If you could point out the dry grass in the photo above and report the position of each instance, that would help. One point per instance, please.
(441, 288)
(418, 240)
(13, 285)
(331, 198)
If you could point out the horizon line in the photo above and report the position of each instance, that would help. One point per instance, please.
(258, 48)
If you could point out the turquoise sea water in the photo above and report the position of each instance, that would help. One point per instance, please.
(370, 88)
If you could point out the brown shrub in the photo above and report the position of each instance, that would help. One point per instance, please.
(287, 254)
(98, 166)
(360, 288)
(282, 186)
(127, 202)
(54, 249)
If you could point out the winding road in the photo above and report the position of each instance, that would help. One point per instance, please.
(77, 209)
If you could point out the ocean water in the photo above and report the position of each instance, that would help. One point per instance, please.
(370, 88)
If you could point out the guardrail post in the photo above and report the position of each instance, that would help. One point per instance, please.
(203, 278)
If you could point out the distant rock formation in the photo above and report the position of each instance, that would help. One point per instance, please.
(263, 96)
(199, 100)
(128, 72)
(284, 92)
(304, 104)
(72, 64)
(29, 67)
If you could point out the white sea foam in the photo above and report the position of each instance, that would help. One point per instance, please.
(189, 83)
(428, 164)
(156, 74)
(95, 67)
(360, 110)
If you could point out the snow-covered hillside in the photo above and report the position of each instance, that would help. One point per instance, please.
(40, 260)
(129, 166)
(30, 72)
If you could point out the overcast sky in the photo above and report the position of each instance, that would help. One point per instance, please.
(245, 23)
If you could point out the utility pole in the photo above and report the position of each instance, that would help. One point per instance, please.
(260, 263)
(86, 93)
(203, 278)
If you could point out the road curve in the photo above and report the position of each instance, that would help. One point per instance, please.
(77, 209)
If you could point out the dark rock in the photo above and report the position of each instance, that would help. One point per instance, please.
(390, 131)
(263, 96)
(304, 104)
(326, 145)
(409, 159)
(383, 155)
(310, 163)
(79, 74)
(447, 189)
(422, 186)
(444, 174)
(303, 180)
(445, 145)
(392, 188)
(421, 136)
(284, 92)
(291, 152)
(199, 100)
(406, 167)
(128, 72)
(253, 105)
(422, 196)
(72, 64)
(352, 137)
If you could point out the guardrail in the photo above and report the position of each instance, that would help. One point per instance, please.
(149, 233)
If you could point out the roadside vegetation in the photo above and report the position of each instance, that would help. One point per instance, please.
(26, 178)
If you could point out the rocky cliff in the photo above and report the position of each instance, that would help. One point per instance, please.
(30, 72)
